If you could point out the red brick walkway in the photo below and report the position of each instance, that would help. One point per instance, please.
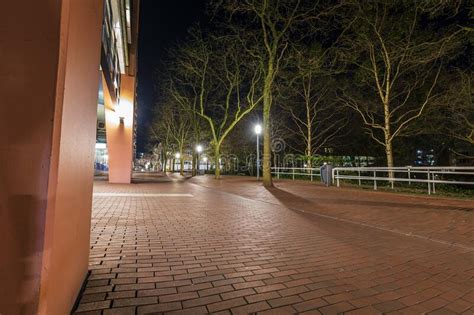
(242, 252)
(440, 219)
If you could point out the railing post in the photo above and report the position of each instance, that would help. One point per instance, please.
(278, 172)
(375, 180)
(337, 177)
(359, 177)
(293, 173)
(311, 173)
(434, 184)
(409, 175)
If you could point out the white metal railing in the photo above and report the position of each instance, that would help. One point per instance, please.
(311, 173)
(410, 174)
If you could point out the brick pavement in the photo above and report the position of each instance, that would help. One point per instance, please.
(445, 220)
(222, 252)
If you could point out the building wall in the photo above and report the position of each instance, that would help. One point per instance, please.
(120, 135)
(48, 105)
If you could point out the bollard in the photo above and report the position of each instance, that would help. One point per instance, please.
(328, 179)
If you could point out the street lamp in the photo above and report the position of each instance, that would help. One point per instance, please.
(258, 130)
(199, 150)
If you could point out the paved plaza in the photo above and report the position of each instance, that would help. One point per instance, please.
(231, 246)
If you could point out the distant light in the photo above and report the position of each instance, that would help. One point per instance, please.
(199, 148)
(258, 129)
(177, 155)
(204, 159)
(99, 145)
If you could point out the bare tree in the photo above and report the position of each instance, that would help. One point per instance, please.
(188, 103)
(173, 123)
(398, 66)
(266, 36)
(222, 80)
(317, 118)
(160, 135)
(453, 113)
(461, 108)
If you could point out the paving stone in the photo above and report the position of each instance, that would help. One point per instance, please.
(158, 308)
(228, 304)
(178, 297)
(250, 308)
(93, 297)
(310, 305)
(93, 306)
(156, 292)
(121, 311)
(201, 301)
(135, 301)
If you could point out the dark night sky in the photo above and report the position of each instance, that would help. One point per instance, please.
(161, 23)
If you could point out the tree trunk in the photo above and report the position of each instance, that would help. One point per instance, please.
(309, 163)
(309, 130)
(217, 168)
(388, 141)
(389, 154)
(193, 173)
(267, 153)
(181, 163)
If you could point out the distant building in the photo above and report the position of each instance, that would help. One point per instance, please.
(425, 158)
(116, 111)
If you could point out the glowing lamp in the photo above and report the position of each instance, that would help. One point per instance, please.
(258, 129)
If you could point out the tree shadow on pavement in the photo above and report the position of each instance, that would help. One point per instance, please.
(291, 201)
(429, 205)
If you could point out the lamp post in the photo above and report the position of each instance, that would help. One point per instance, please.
(198, 150)
(258, 130)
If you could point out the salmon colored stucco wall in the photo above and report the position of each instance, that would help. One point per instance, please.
(120, 135)
(50, 54)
